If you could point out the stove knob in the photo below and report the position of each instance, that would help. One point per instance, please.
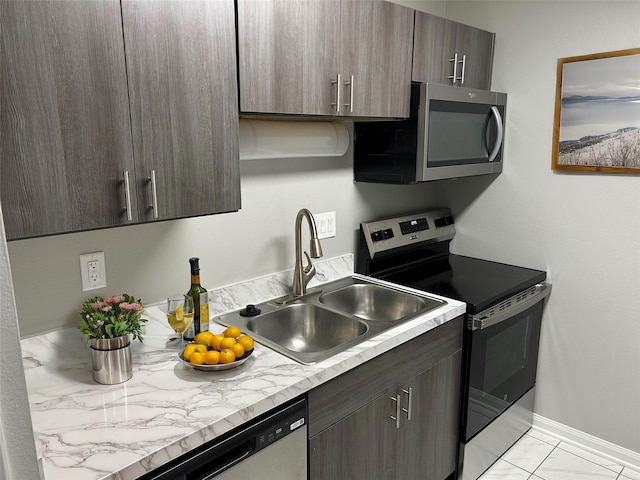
(388, 233)
(376, 236)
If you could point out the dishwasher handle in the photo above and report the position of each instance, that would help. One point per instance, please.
(222, 462)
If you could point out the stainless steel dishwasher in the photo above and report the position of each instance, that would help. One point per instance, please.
(272, 446)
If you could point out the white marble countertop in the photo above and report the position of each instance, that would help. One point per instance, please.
(88, 431)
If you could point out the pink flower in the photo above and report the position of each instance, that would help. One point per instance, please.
(98, 305)
(133, 307)
(114, 299)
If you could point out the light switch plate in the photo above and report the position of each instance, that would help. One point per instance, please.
(325, 224)
(93, 271)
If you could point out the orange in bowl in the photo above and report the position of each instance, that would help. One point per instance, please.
(212, 357)
(232, 332)
(197, 358)
(237, 349)
(246, 341)
(227, 342)
(215, 341)
(227, 356)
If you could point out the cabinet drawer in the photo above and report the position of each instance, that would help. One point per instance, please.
(343, 395)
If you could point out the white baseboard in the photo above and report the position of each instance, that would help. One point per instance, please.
(611, 451)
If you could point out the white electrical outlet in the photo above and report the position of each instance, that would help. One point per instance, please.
(325, 224)
(93, 271)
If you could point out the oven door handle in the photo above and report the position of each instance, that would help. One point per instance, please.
(487, 318)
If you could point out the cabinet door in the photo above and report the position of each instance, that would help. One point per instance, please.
(376, 46)
(183, 95)
(437, 40)
(288, 56)
(434, 46)
(477, 46)
(65, 137)
(427, 443)
(362, 445)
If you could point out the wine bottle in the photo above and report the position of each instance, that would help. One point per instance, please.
(201, 317)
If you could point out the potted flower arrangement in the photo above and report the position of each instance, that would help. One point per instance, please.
(109, 323)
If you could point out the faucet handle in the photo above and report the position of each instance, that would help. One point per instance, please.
(310, 269)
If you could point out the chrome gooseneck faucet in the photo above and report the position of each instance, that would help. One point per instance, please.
(302, 275)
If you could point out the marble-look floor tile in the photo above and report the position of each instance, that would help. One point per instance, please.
(562, 465)
(502, 470)
(631, 474)
(592, 457)
(528, 453)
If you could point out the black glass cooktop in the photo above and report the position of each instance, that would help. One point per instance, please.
(479, 283)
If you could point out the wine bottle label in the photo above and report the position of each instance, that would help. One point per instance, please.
(204, 317)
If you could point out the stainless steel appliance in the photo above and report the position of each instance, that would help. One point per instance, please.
(452, 132)
(272, 446)
(502, 328)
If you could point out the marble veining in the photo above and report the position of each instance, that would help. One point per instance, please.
(88, 431)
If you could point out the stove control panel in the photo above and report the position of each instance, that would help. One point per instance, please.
(430, 226)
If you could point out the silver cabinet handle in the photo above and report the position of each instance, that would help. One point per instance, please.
(454, 77)
(409, 394)
(455, 62)
(496, 147)
(397, 416)
(337, 81)
(127, 196)
(154, 193)
(350, 104)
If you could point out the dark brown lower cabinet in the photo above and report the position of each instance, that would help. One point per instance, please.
(394, 417)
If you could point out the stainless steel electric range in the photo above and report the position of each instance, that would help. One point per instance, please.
(502, 328)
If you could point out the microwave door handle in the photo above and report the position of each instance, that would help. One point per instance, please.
(496, 147)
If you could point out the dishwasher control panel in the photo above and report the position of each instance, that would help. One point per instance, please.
(279, 428)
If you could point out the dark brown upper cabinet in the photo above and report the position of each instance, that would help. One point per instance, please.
(90, 114)
(324, 57)
(450, 53)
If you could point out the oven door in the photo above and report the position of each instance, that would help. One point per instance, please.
(501, 346)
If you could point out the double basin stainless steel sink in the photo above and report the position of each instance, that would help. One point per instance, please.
(330, 318)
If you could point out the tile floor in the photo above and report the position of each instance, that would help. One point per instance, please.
(537, 456)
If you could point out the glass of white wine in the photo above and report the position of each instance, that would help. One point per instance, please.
(180, 312)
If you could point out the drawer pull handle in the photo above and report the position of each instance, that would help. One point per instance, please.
(154, 194)
(409, 394)
(350, 104)
(127, 196)
(337, 81)
(396, 418)
(454, 60)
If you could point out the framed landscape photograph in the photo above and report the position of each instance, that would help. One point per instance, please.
(597, 114)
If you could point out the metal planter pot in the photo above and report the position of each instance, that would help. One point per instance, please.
(111, 359)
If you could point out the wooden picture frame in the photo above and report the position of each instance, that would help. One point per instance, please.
(597, 113)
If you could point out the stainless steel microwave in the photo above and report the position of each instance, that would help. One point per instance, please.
(451, 132)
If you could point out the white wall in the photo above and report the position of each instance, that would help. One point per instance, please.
(583, 229)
